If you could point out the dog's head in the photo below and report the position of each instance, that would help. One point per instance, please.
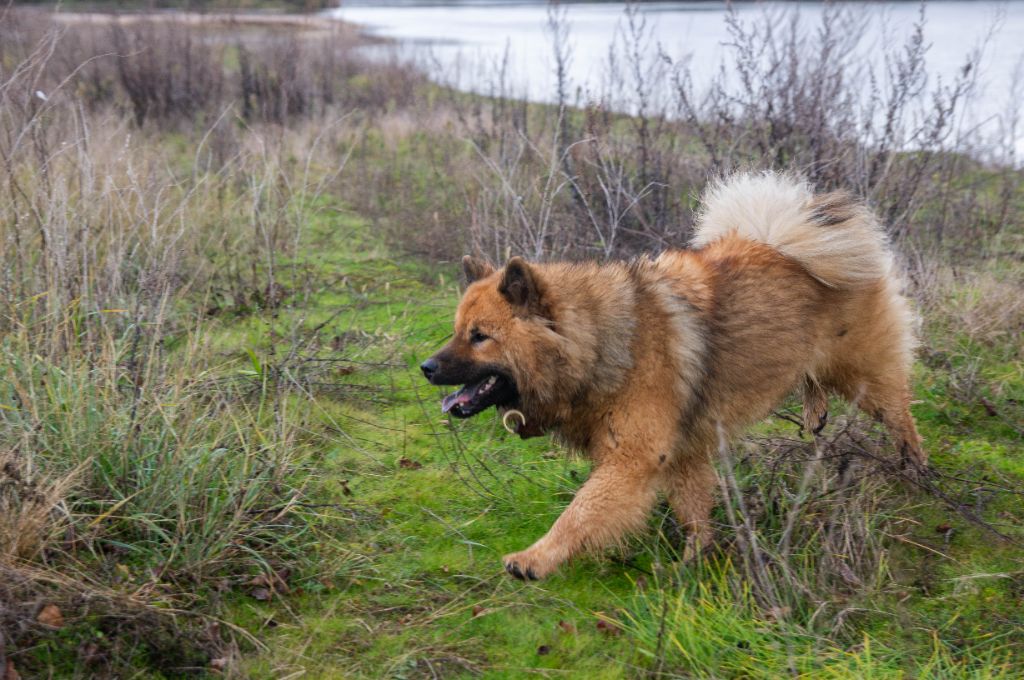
(501, 328)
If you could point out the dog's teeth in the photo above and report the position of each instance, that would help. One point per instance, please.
(488, 384)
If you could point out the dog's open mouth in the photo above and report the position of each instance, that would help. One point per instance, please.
(493, 390)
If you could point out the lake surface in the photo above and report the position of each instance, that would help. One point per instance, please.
(465, 43)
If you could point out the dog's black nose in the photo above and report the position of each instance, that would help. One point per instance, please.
(429, 368)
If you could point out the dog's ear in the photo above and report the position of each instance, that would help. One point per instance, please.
(519, 284)
(475, 268)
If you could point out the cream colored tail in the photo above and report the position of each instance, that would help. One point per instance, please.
(836, 238)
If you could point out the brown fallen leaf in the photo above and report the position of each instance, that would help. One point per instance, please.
(10, 673)
(277, 582)
(944, 528)
(50, 616)
(567, 627)
(408, 464)
(212, 632)
(478, 610)
(156, 573)
(848, 575)
(281, 585)
(122, 573)
(90, 653)
(990, 408)
(261, 594)
(608, 628)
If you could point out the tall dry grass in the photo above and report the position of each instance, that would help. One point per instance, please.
(143, 475)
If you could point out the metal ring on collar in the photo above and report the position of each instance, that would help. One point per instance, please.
(513, 413)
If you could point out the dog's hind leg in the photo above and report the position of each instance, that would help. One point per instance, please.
(871, 361)
(690, 489)
(890, 403)
(815, 406)
(886, 397)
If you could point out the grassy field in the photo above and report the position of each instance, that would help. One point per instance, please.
(218, 457)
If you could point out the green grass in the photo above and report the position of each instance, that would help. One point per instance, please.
(429, 507)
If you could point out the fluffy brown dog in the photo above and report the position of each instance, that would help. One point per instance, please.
(649, 366)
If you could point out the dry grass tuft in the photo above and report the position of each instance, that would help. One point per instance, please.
(34, 510)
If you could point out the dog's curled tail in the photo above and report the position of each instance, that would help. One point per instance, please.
(835, 237)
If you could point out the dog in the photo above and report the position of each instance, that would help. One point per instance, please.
(649, 366)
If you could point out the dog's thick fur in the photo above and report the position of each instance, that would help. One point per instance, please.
(646, 366)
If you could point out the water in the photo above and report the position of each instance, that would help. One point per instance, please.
(463, 43)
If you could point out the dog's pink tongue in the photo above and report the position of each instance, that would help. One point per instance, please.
(460, 397)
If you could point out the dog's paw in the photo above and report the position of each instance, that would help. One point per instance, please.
(528, 565)
(916, 473)
(913, 464)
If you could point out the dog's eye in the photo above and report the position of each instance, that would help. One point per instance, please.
(476, 337)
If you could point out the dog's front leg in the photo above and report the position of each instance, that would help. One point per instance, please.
(616, 500)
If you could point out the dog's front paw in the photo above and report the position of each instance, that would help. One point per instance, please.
(529, 565)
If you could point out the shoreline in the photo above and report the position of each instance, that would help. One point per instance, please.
(316, 23)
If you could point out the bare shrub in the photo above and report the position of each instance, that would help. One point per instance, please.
(175, 71)
(620, 174)
(163, 88)
(810, 519)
